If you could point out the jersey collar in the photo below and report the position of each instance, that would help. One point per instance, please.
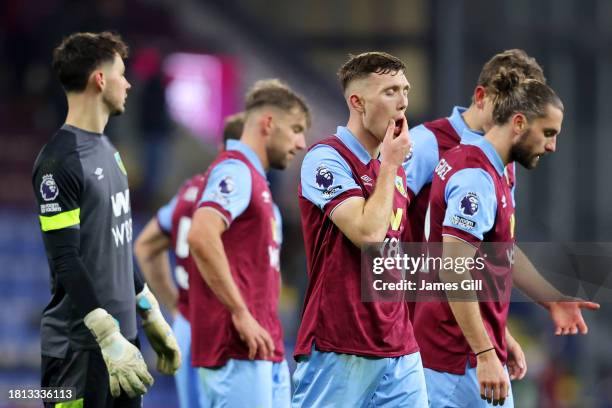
(489, 151)
(463, 130)
(350, 141)
(248, 152)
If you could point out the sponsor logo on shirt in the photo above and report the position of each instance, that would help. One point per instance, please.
(52, 207)
(265, 196)
(469, 204)
(48, 189)
(367, 180)
(463, 223)
(98, 172)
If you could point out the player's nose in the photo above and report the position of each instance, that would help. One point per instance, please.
(300, 142)
(551, 144)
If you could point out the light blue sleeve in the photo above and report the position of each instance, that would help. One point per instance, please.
(514, 186)
(325, 175)
(471, 203)
(279, 225)
(229, 186)
(420, 166)
(164, 215)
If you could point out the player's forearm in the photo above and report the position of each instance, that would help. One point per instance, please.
(527, 278)
(70, 271)
(211, 260)
(374, 221)
(156, 271)
(469, 319)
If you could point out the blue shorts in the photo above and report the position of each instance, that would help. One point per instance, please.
(188, 386)
(326, 379)
(447, 390)
(247, 384)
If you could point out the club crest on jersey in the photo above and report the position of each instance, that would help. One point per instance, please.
(400, 186)
(120, 163)
(470, 204)
(227, 185)
(48, 189)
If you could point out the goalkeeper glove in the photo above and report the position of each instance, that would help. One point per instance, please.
(126, 367)
(158, 332)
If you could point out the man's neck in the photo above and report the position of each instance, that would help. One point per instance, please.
(85, 112)
(502, 143)
(369, 142)
(470, 117)
(253, 141)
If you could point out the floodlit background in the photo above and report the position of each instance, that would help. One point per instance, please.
(190, 65)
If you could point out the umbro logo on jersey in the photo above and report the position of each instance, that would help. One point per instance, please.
(266, 197)
(98, 172)
(503, 200)
(367, 180)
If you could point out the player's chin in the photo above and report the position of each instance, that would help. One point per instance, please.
(118, 110)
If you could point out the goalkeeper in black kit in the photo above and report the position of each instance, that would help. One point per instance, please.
(88, 330)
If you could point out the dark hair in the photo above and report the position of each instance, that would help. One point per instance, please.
(81, 53)
(232, 127)
(362, 65)
(515, 94)
(514, 59)
(273, 92)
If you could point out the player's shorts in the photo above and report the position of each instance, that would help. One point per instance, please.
(326, 379)
(86, 371)
(458, 391)
(188, 385)
(247, 384)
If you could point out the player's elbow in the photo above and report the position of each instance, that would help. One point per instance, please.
(198, 240)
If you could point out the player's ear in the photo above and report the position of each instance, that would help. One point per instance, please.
(479, 96)
(266, 123)
(356, 103)
(97, 79)
(519, 123)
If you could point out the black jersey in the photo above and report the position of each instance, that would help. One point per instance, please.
(80, 182)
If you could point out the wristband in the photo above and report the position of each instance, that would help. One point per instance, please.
(484, 351)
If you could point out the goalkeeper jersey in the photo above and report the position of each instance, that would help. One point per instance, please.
(80, 182)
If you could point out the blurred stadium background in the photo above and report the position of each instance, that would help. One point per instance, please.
(191, 62)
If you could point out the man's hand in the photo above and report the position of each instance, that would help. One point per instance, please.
(492, 378)
(517, 365)
(126, 367)
(567, 316)
(158, 332)
(256, 337)
(394, 149)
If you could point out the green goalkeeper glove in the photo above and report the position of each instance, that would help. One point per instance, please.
(158, 332)
(126, 367)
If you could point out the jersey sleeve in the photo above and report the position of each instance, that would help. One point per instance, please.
(58, 184)
(164, 216)
(471, 205)
(326, 179)
(278, 224)
(228, 190)
(420, 165)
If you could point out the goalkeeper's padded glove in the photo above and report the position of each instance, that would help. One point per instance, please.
(126, 367)
(158, 332)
